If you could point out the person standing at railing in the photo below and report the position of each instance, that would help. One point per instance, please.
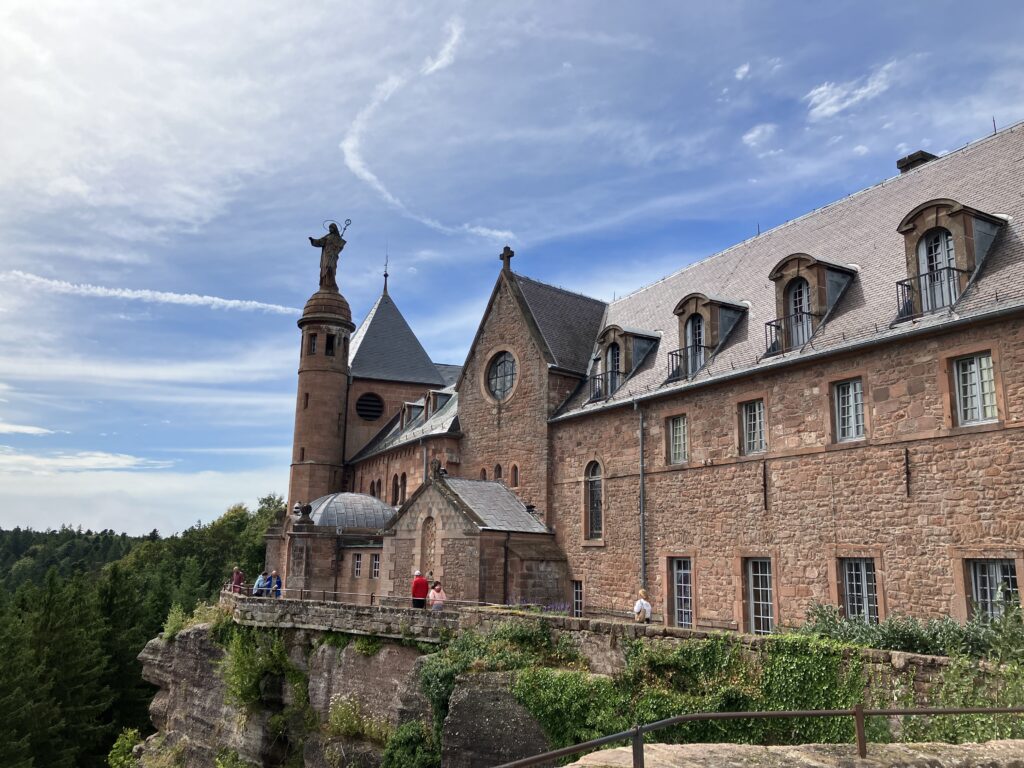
(642, 609)
(420, 587)
(260, 587)
(274, 586)
(437, 597)
(237, 579)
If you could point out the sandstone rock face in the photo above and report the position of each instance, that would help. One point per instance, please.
(486, 726)
(994, 754)
(190, 709)
(379, 682)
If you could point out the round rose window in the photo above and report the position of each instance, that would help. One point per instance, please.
(501, 375)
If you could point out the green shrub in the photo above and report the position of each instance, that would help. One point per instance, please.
(412, 745)
(121, 753)
(572, 706)
(338, 640)
(368, 646)
(346, 719)
(175, 622)
(228, 758)
(251, 655)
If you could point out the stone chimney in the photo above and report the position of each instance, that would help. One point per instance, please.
(913, 160)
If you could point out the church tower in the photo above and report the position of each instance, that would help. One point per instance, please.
(326, 325)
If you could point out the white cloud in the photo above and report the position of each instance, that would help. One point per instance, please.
(861, 150)
(759, 134)
(829, 99)
(351, 144)
(22, 429)
(147, 296)
(742, 71)
(13, 461)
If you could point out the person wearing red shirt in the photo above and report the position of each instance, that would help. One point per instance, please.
(420, 587)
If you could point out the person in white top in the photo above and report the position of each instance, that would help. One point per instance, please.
(642, 608)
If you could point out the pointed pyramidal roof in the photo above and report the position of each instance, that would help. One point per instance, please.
(384, 347)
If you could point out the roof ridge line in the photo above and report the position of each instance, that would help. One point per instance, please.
(877, 185)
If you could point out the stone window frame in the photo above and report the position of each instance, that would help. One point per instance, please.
(482, 378)
(739, 434)
(668, 439)
(828, 386)
(709, 310)
(514, 475)
(572, 597)
(330, 344)
(947, 389)
(741, 609)
(587, 541)
(357, 565)
(835, 574)
(960, 559)
(668, 615)
(310, 344)
(375, 565)
(497, 473)
(801, 266)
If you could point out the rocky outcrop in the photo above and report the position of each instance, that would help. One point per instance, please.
(190, 710)
(487, 726)
(994, 754)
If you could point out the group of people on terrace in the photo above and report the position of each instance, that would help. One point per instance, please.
(424, 595)
(267, 584)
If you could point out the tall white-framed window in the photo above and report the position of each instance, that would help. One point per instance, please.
(860, 589)
(374, 566)
(937, 261)
(682, 591)
(577, 599)
(848, 404)
(760, 612)
(595, 511)
(975, 389)
(677, 449)
(993, 585)
(357, 565)
(798, 306)
(694, 343)
(613, 366)
(752, 424)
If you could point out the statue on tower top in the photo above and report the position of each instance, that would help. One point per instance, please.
(330, 246)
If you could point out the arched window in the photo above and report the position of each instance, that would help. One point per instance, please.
(937, 262)
(515, 476)
(403, 484)
(798, 307)
(379, 493)
(595, 517)
(394, 491)
(497, 471)
(428, 546)
(694, 343)
(483, 474)
(501, 375)
(373, 489)
(613, 366)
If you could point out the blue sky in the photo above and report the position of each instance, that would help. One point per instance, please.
(161, 166)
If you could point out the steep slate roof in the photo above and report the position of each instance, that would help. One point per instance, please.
(858, 230)
(384, 347)
(443, 421)
(495, 505)
(351, 510)
(569, 322)
(450, 373)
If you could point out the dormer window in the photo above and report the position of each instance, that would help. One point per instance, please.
(620, 352)
(945, 243)
(806, 290)
(705, 323)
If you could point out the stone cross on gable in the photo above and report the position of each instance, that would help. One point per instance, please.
(506, 259)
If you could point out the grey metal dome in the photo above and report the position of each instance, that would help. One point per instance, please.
(351, 511)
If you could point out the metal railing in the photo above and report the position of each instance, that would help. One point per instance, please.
(636, 735)
(684, 363)
(603, 385)
(929, 292)
(788, 332)
(350, 598)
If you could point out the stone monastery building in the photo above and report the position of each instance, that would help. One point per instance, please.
(831, 412)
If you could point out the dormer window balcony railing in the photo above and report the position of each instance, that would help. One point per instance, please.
(603, 385)
(929, 292)
(686, 362)
(789, 332)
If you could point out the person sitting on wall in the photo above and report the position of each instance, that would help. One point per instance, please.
(237, 578)
(259, 588)
(642, 609)
(437, 597)
(274, 584)
(420, 587)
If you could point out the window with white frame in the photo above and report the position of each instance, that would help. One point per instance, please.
(848, 402)
(860, 589)
(975, 389)
(760, 613)
(595, 521)
(682, 591)
(357, 565)
(374, 566)
(677, 453)
(577, 599)
(993, 585)
(752, 417)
